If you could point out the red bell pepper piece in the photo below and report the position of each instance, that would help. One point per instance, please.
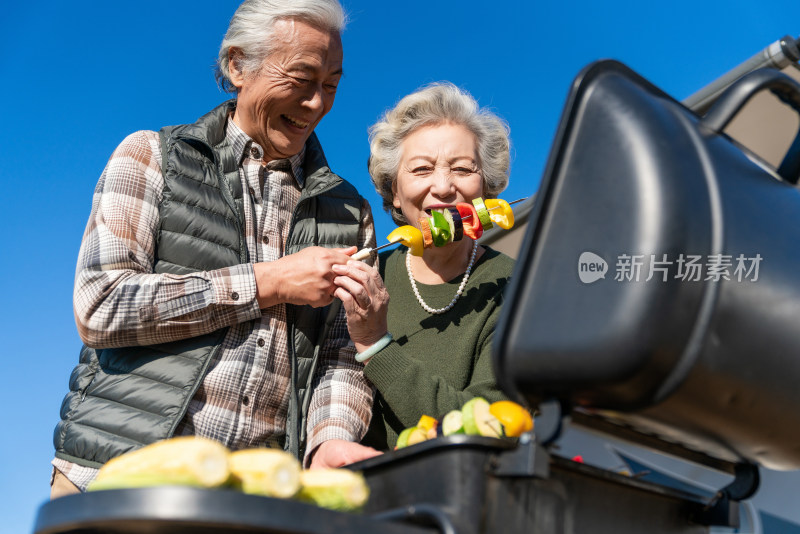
(469, 219)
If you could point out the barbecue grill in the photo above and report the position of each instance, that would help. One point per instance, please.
(700, 368)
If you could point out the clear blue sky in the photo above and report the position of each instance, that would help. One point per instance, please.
(79, 76)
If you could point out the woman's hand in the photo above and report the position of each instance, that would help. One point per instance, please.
(365, 302)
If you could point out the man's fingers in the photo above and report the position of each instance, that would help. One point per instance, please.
(354, 269)
(348, 251)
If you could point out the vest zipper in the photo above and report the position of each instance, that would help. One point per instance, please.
(198, 382)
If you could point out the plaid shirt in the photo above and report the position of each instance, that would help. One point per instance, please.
(119, 301)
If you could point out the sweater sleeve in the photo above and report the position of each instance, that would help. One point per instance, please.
(393, 368)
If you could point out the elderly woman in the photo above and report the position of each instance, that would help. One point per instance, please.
(430, 350)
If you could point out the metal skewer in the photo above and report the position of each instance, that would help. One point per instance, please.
(364, 253)
(490, 209)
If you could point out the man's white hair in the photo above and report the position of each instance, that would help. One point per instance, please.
(252, 27)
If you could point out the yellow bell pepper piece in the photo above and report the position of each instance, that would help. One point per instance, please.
(500, 212)
(426, 422)
(410, 237)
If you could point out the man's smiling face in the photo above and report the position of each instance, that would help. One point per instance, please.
(281, 104)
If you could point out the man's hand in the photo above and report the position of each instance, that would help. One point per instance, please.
(338, 452)
(305, 277)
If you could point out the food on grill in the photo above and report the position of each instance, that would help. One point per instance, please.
(411, 436)
(502, 419)
(204, 463)
(185, 461)
(515, 419)
(429, 425)
(452, 423)
(478, 421)
(268, 472)
(337, 489)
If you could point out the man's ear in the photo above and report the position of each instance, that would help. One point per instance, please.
(235, 57)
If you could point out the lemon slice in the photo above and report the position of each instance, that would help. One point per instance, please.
(515, 419)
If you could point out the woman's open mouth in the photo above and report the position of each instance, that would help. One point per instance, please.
(437, 207)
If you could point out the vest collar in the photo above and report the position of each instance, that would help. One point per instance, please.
(319, 176)
(210, 129)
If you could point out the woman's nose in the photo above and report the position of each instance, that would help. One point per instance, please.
(442, 182)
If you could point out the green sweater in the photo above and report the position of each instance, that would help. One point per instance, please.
(436, 362)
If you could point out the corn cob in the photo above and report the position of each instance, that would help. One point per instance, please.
(187, 461)
(269, 472)
(337, 489)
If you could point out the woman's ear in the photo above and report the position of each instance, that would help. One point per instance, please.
(395, 200)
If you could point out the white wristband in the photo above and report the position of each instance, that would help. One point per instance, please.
(373, 349)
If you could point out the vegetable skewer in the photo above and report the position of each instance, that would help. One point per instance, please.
(403, 234)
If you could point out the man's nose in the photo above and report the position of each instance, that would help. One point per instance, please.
(315, 98)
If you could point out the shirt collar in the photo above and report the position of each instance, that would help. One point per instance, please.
(244, 146)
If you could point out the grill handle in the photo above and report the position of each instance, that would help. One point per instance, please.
(738, 94)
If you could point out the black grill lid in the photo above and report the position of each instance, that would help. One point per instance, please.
(607, 310)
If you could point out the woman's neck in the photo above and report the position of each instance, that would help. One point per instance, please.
(442, 264)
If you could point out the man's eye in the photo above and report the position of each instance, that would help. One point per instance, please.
(331, 87)
(301, 81)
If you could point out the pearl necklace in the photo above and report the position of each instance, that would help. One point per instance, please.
(460, 287)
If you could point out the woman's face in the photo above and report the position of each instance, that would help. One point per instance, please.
(438, 168)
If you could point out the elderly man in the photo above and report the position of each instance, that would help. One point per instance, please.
(204, 286)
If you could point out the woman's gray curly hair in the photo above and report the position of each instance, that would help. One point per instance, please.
(251, 31)
(434, 104)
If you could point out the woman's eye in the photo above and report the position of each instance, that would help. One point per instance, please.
(463, 170)
(422, 170)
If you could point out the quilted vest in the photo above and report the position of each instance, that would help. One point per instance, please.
(123, 398)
